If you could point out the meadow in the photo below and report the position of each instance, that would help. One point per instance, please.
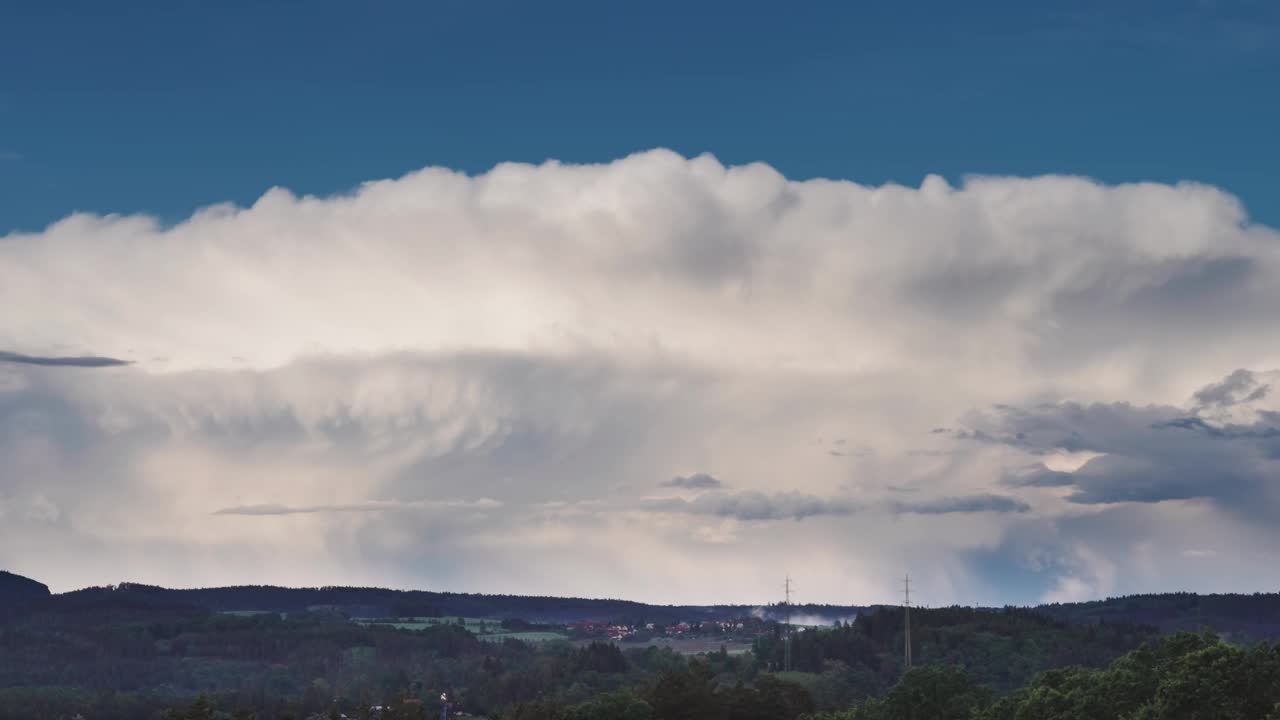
(486, 629)
(529, 636)
(690, 646)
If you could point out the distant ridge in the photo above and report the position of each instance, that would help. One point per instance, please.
(14, 587)
(1253, 616)
(383, 602)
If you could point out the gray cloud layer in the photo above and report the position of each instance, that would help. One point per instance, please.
(1153, 453)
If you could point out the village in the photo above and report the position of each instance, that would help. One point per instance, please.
(688, 637)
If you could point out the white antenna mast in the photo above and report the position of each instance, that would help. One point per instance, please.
(786, 637)
(906, 615)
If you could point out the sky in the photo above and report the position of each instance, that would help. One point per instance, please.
(642, 301)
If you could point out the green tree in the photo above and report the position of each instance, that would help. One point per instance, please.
(623, 704)
(936, 692)
(768, 698)
(688, 694)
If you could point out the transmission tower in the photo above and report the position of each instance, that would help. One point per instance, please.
(906, 615)
(786, 632)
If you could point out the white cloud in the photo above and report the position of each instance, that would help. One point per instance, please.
(550, 336)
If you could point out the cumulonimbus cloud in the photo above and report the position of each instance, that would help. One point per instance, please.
(561, 333)
(732, 266)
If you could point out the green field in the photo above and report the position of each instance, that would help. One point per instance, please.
(484, 628)
(804, 679)
(534, 636)
(479, 626)
(692, 646)
(247, 613)
(399, 625)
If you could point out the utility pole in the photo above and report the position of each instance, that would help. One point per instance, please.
(906, 615)
(786, 637)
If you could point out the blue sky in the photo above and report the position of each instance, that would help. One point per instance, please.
(163, 107)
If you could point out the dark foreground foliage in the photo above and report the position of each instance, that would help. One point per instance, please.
(1003, 648)
(1184, 677)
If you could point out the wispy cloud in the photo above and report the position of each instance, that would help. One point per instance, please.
(964, 504)
(1241, 386)
(367, 506)
(756, 506)
(696, 481)
(87, 361)
(749, 506)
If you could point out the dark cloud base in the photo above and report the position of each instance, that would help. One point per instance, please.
(1151, 453)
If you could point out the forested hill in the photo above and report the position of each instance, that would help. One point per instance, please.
(128, 652)
(383, 602)
(16, 587)
(1233, 616)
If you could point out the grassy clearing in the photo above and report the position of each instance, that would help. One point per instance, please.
(247, 613)
(478, 626)
(533, 636)
(399, 625)
(692, 646)
(804, 679)
(486, 629)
